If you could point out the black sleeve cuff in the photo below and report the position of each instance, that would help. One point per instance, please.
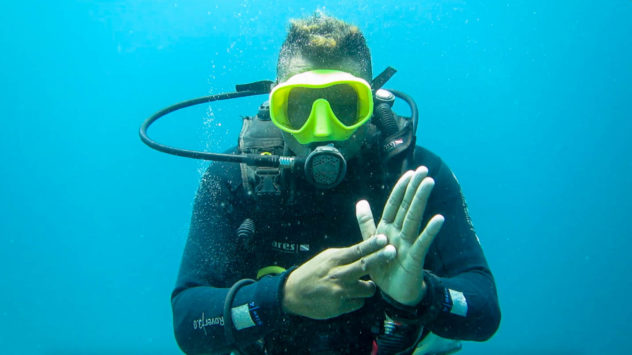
(423, 313)
(429, 307)
(263, 300)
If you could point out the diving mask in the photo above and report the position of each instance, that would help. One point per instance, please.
(321, 105)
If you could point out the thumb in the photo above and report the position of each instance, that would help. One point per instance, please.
(365, 219)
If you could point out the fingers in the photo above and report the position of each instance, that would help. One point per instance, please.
(409, 196)
(395, 199)
(415, 213)
(357, 251)
(365, 219)
(364, 265)
(420, 247)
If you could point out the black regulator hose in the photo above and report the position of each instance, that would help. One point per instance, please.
(414, 111)
(256, 88)
(244, 158)
(385, 119)
(229, 327)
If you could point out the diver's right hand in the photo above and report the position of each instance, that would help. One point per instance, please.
(329, 284)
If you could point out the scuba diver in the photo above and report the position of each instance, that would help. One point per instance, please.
(284, 254)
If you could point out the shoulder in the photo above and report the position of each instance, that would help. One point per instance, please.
(429, 159)
(437, 169)
(221, 179)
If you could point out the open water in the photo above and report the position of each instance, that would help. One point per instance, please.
(527, 101)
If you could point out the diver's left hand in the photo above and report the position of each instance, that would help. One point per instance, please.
(402, 277)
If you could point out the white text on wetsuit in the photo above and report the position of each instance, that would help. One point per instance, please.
(204, 322)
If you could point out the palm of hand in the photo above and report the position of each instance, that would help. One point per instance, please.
(402, 277)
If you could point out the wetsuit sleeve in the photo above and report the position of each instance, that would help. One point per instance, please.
(212, 262)
(461, 300)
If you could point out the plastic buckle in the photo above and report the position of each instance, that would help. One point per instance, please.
(267, 181)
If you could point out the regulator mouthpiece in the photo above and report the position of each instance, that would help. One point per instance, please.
(325, 167)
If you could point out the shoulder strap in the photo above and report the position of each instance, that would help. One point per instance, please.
(260, 136)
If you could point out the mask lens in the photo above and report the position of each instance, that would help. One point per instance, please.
(344, 103)
(342, 98)
(299, 106)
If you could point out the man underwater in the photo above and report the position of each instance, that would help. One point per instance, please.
(281, 263)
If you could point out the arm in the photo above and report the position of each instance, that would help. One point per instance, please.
(461, 300)
(455, 295)
(211, 263)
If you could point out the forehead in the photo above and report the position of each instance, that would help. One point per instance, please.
(299, 64)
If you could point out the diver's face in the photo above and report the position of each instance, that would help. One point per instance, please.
(298, 64)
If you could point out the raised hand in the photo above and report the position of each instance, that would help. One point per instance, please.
(402, 277)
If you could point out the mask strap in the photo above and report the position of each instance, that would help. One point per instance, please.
(382, 78)
(259, 87)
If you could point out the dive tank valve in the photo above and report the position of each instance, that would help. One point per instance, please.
(264, 111)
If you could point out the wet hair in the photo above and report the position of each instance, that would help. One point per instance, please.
(325, 41)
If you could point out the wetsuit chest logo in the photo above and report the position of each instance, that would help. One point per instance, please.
(289, 247)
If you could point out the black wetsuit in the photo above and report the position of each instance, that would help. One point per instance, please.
(215, 258)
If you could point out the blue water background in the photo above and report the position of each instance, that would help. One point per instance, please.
(527, 101)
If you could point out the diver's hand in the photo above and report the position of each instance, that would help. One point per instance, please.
(402, 278)
(329, 284)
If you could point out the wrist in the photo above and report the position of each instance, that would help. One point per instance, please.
(410, 312)
(286, 303)
(399, 312)
(287, 295)
(415, 301)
